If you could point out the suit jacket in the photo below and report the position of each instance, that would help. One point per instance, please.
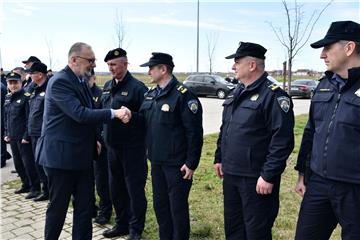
(68, 138)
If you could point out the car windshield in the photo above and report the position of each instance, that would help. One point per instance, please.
(220, 79)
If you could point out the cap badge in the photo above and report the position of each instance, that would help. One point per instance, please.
(116, 53)
(254, 97)
(165, 107)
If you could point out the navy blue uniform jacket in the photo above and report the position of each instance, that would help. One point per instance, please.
(256, 136)
(69, 125)
(331, 137)
(173, 120)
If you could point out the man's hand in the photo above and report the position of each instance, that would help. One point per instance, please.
(7, 139)
(124, 114)
(218, 170)
(188, 173)
(98, 147)
(23, 141)
(300, 187)
(263, 187)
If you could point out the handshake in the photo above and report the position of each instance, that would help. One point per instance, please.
(123, 114)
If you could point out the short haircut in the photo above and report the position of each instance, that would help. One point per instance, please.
(76, 48)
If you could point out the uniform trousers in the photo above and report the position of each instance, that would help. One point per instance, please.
(128, 173)
(247, 214)
(327, 202)
(25, 164)
(40, 168)
(170, 196)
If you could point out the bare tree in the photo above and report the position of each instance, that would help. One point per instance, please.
(119, 29)
(298, 31)
(212, 39)
(50, 52)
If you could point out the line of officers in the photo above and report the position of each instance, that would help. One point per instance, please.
(256, 138)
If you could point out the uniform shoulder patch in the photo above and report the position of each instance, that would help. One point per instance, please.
(284, 103)
(193, 106)
(27, 94)
(181, 89)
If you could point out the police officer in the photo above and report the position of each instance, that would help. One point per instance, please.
(255, 140)
(331, 141)
(174, 138)
(16, 114)
(28, 85)
(100, 164)
(126, 149)
(36, 111)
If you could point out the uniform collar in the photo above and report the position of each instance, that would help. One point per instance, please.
(173, 82)
(353, 75)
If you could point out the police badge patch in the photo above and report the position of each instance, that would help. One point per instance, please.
(284, 103)
(193, 106)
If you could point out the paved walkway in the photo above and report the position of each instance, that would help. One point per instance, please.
(23, 219)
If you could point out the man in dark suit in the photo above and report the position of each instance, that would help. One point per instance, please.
(67, 145)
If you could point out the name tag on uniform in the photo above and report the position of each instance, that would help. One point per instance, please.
(124, 93)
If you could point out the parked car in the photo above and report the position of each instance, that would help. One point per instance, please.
(303, 88)
(204, 84)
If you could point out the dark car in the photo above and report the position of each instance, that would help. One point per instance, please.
(303, 88)
(202, 84)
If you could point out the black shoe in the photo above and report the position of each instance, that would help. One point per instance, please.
(102, 220)
(134, 236)
(22, 190)
(42, 197)
(32, 194)
(115, 232)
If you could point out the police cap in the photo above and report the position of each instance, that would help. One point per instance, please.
(159, 58)
(342, 30)
(12, 76)
(31, 59)
(38, 67)
(115, 53)
(249, 49)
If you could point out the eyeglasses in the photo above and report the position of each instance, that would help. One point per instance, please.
(90, 60)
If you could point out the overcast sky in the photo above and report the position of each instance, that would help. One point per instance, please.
(158, 26)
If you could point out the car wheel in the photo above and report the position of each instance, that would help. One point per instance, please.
(221, 94)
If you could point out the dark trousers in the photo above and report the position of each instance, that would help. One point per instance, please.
(128, 173)
(248, 215)
(326, 203)
(25, 164)
(102, 183)
(62, 185)
(170, 196)
(40, 168)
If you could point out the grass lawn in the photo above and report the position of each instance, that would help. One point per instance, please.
(206, 201)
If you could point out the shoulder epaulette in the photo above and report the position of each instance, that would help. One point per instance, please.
(181, 88)
(27, 94)
(273, 86)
